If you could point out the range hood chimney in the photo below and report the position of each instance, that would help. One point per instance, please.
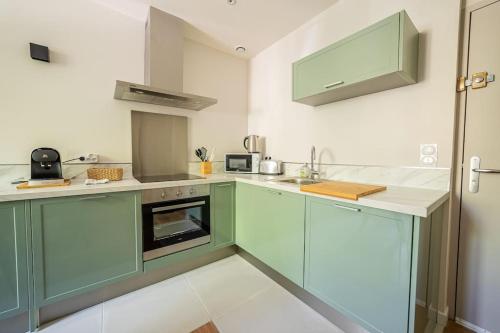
(163, 72)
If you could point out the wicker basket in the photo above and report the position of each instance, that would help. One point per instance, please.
(102, 173)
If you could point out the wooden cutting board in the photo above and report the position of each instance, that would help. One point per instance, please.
(342, 189)
(25, 186)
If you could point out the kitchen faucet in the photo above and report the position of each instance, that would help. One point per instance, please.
(314, 173)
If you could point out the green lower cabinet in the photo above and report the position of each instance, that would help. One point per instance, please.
(82, 243)
(359, 261)
(223, 214)
(13, 259)
(270, 226)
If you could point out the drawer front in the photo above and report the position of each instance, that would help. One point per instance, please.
(367, 54)
(82, 243)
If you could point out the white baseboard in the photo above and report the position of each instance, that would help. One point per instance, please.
(471, 326)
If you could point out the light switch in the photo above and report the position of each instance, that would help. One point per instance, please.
(428, 154)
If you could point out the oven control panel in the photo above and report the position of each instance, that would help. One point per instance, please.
(174, 193)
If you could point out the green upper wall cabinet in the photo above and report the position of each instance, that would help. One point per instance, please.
(13, 259)
(359, 261)
(380, 57)
(84, 242)
(223, 214)
(270, 226)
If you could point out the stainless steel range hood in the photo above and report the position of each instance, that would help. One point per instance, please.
(150, 95)
(163, 72)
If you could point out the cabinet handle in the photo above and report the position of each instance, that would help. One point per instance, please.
(274, 192)
(333, 84)
(223, 185)
(95, 197)
(348, 208)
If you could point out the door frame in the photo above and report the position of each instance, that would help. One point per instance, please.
(458, 151)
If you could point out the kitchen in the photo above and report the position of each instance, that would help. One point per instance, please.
(239, 192)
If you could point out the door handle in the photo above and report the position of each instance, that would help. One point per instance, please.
(486, 170)
(475, 171)
(475, 161)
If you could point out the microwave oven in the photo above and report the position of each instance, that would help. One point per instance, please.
(242, 163)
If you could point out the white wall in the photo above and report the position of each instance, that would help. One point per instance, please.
(210, 72)
(379, 129)
(68, 104)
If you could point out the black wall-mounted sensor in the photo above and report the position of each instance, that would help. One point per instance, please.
(39, 52)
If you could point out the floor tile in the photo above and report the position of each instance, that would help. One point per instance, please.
(227, 283)
(170, 306)
(85, 321)
(274, 311)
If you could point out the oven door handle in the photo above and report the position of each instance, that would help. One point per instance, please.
(173, 207)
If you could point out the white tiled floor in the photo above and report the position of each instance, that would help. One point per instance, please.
(232, 293)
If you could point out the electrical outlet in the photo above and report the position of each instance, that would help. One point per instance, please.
(429, 155)
(91, 158)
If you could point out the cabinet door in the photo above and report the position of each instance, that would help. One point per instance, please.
(380, 57)
(369, 53)
(13, 259)
(84, 242)
(222, 199)
(270, 226)
(358, 260)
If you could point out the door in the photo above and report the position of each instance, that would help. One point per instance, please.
(85, 242)
(13, 259)
(478, 284)
(223, 214)
(270, 226)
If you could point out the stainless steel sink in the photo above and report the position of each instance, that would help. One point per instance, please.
(300, 181)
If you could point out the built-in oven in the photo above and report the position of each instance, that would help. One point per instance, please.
(175, 219)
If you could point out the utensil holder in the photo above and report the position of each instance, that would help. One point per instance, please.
(206, 168)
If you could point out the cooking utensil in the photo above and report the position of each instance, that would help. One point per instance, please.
(198, 154)
(212, 155)
(201, 153)
(204, 153)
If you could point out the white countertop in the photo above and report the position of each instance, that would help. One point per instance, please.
(406, 200)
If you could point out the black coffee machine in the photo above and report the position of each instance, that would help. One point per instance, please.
(45, 164)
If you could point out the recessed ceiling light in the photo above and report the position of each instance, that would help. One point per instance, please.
(231, 2)
(240, 49)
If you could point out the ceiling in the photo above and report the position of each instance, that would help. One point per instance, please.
(254, 24)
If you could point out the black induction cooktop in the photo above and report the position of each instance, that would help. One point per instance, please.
(166, 178)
